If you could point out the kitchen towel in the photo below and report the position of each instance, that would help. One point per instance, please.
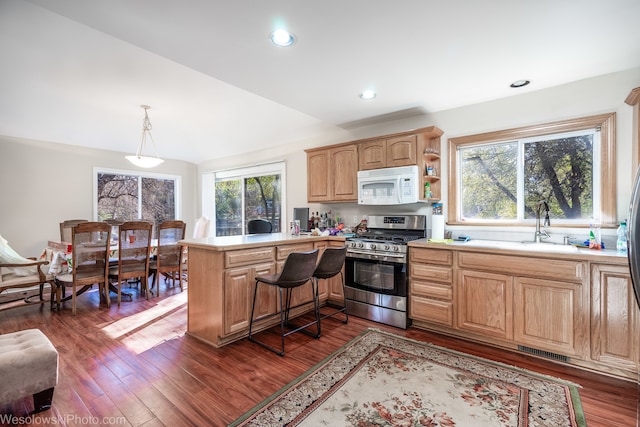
(437, 227)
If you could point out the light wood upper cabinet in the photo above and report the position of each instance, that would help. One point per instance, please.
(332, 174)
(402, 151)
(388, 153)
(343, 174)
(332, 171)
(372, 155)
(614, 317)
(318, 176)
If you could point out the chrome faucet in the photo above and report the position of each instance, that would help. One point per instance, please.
(542, 234)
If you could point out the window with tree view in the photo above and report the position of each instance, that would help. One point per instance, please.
(244, 195)
(128, 196)
(504, 181)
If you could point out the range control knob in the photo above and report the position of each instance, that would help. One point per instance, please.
(396, 248)
(386, 247)
(360, 245)
(372, 246)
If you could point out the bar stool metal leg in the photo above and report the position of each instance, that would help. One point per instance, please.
(297, 271)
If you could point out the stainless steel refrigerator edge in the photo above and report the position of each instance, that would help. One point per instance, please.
(633, 252)
(633, 238)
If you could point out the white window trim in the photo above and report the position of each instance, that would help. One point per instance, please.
(176, 178)
(209, 180)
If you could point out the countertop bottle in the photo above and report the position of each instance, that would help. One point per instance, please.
(621, 245)
(427, 190)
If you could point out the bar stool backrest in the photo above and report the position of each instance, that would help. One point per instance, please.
(331, 262)
(298, 269)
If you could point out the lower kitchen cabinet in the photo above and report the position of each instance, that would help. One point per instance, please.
(615, 318)
(431, 286)
(239, 284)
(485, 303)
(576, 309)
(551, 316)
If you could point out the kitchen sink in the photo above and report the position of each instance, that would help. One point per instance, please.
(523, 246)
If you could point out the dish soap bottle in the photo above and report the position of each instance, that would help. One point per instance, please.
(427, 190)
(622, 238)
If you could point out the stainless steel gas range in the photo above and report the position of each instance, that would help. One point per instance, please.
(376, 268)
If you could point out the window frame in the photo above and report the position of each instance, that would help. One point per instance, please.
(607, 176)
(177, 179)
(209, 181)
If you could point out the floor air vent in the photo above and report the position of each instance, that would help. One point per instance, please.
(542, 353)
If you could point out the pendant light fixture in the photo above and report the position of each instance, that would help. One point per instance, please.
(139, 159)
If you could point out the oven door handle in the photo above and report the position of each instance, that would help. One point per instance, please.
(369, 255)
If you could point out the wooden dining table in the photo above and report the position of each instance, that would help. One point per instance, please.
(59, 262)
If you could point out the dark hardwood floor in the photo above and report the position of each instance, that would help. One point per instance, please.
(134, 365)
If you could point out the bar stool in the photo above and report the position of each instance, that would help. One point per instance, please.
(330, 265)
(297, 270)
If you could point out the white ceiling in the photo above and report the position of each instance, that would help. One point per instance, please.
(76, 71)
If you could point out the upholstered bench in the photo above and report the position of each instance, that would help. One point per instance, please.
(28, 365)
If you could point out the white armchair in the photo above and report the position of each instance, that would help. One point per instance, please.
(19, 272)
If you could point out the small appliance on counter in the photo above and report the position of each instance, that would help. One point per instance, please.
(302, 215)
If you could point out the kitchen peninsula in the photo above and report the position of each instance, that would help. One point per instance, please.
(222, 273)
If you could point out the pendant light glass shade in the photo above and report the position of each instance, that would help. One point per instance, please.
(140, 159)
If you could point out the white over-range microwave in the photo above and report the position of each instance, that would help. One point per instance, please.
(389, 186)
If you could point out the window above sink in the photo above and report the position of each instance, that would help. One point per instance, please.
(498, 178)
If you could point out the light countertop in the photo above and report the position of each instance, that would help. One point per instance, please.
(227, 243)
(515, 248)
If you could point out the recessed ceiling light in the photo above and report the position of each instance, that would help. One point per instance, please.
(282, 37)
(368, 94)
(520, 83)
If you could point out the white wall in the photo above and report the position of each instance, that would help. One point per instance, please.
(43, 183)
(588, 97)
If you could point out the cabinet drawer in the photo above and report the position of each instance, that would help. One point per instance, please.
(431, 256)
(543, 268)
(429, 310)
(431, 272)
(284, 251)
(432, 290)
(247, 257)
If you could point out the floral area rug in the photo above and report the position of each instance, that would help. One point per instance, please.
(381, 379)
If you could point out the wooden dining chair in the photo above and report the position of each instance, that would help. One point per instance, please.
(115, 228)
(134, 247)
(89, 262)
(67, 226)
(168, 260)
